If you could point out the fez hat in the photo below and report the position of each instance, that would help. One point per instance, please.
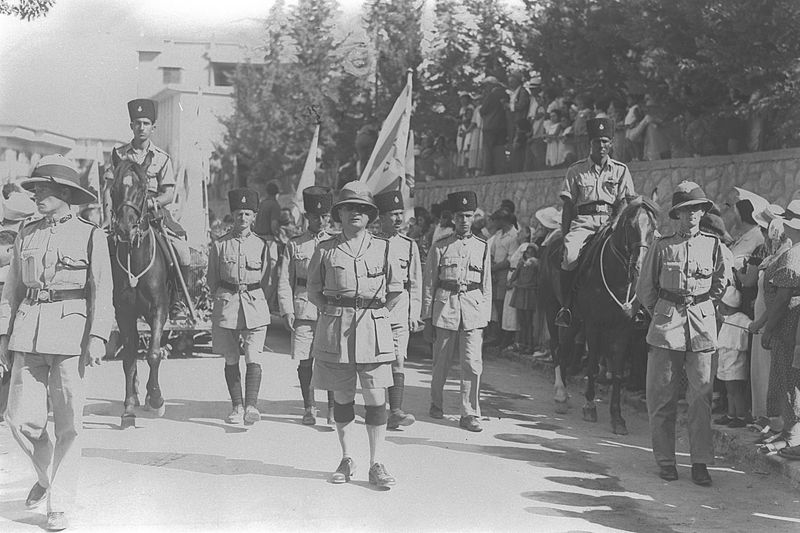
(243, 199)
(18, 206)
(688, 193)
(600, 127)
(58, 170)
(355, 192)
(791, 216)
(317, 200)
(142, 108)
(713, 223)
(549, 217)
(389, 201)
(462, 201)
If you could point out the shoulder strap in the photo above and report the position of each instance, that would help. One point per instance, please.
(483, 261)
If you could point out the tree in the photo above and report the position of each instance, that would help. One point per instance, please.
(277, 101)
(26, 9)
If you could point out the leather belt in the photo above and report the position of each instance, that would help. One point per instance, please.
(683, 299)
(595, 208)
(356, 303)
(39, 296)
(454, 286)
(300, 282)
(241, 287)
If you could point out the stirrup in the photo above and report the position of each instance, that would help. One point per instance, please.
(564, 318)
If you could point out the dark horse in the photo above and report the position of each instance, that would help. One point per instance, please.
(606, 288)
(140, 271)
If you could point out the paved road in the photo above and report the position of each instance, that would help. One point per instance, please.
(530, 470)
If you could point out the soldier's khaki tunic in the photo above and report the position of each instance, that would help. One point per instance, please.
(293, 290)
(458, 315)
(406, 251)
(48, 335)
(588, 183)
(241, 261)
(349, 334)
(159, 173)
(682, 335)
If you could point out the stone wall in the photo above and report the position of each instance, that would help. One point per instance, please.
(774, 175)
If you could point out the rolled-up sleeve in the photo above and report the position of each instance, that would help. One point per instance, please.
(568, 188)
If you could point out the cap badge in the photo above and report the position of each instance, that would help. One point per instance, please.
(319, 205)
(396, 200)
(139, 109)
(244, 199)
(601, 127)
(464, 201)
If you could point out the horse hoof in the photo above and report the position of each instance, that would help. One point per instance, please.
(562, 407)
(127, 421)
(159, 411)
(619, 428)
(590, 414)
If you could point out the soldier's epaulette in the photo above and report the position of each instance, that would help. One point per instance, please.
(479, 238)
(578, 162)
(87, 221)
(709, 234)
(406, 237)
(441, 239)
(30, 221)
(380, 238)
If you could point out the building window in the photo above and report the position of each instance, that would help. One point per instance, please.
(223, 74)
(171, 75)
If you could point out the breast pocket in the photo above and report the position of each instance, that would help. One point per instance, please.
(475, 272)
(31, 264)
(301, 260)
(339, 273)
(586, 186)
(329, 330)
(253, 260)
(448, 269)
(672, 275)
(228, 267)
(610, 187)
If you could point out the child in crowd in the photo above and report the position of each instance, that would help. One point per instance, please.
(525, 279)
(732, 350)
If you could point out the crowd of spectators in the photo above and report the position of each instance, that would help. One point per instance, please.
(524, 126)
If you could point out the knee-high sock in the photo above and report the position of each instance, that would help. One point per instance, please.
(304, 373)
(234, 380)
(396, 391)
(330, 399)
(252, 384)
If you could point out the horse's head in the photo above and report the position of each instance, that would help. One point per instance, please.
(129, 196)
(634, 231)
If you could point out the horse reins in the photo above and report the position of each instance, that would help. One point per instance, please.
(133, 279)
(629, 298)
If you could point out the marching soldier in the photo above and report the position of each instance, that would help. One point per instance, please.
(682, 277)
(456, 305)
(298, 313)
(593, 188)
(56, 315)
(405, 315)
(160, 179)
(353, 282)
(237, 263)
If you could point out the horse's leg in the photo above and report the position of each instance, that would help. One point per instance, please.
(593, 334)
(129, 338)
(155, 400)
(617, 356)
(564, 348)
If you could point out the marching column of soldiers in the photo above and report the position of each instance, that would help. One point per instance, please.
(350, 300)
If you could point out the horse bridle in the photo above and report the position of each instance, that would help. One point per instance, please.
(138, 234)
(139, 210)
(626, 259)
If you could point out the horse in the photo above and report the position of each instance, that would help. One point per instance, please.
(604, 304)
(140, 269)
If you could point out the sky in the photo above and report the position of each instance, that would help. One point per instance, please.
(73, 71)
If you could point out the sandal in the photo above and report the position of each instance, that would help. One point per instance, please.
(770, 437)
(773, 447)
(761, 425)
(791, 453)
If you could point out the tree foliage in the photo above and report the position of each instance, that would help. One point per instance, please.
(26, 9)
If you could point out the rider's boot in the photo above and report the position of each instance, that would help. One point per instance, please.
(178, 310)
(564, 316)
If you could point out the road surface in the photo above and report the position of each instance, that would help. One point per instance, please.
(529, 470)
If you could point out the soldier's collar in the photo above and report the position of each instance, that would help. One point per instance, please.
(694, 232)
(467, 235)
(56, 222)
(147, 148)
(242, 234)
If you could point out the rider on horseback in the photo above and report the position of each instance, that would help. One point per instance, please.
(594, 189)
(161, 179)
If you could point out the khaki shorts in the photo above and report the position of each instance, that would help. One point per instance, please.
(302, 337)
(227, 341)
(342, 376)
